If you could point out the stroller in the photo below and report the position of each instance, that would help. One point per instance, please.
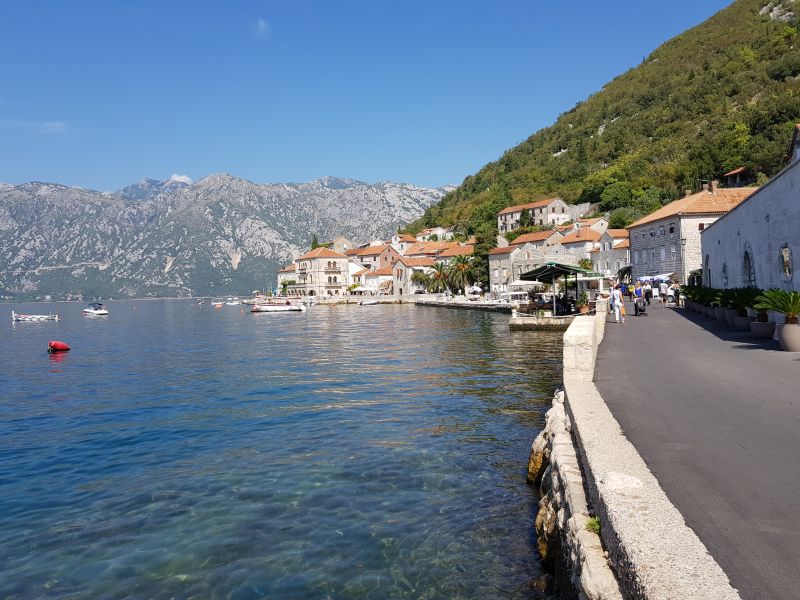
(639, 306)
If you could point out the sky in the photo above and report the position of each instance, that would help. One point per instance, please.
(101, 94)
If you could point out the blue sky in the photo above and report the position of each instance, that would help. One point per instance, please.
(101, 94)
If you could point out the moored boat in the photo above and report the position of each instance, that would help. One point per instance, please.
(369, 302)
(217, 303)
(96, 309)
(232, 302)
(259, 308)
(22, 318)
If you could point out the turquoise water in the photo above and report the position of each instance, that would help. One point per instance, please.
(350, 452)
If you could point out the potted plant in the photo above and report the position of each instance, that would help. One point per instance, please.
(787, 303)
(583, 303)
(719, 305)
(743, 301)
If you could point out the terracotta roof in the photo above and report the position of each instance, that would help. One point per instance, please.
(626, 243)
(407, 238)
(321, 252)
(506, 250)
(521, 207)
(422, 261)
(457, 251)
(430, 248)
(536, 236)
(591, 221)
(361, 272)
(618, 233)
(581, 235)
(735, 171)
(288, 268)
(368, 251)
(720, 201)
(380, 272)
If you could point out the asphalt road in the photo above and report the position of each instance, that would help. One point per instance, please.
(716, 417)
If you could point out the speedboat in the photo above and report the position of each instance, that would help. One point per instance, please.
(21, 318)
(95, 309)
(232, 302)
(217, 303)
(259, 308)
(369, 302)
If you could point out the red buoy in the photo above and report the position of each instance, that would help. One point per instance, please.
(56, 346)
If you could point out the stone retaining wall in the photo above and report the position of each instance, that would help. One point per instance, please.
(586, 466)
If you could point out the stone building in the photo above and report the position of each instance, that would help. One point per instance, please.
(403, 270)
(321, 272)
(613, 254)
(374, 257)
(668, 240)
(507, 264)
(757, 241)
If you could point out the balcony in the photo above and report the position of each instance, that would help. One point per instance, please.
(332, 269)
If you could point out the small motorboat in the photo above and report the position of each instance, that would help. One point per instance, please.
(369, 302)
(217, 303)
(96, 309)
(22, 318)
(259, 308)
(232, 302)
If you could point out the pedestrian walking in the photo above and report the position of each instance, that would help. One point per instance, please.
(663, 288)
(648, 292)
(618, 301)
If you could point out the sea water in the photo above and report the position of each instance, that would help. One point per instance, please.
(190, 452)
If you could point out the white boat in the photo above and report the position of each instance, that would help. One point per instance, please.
(259, 308)
(20, 318)
(96, 309)
(369, 302)
(232, 302)
(217, 303)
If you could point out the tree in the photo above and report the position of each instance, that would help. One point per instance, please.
(422, 279)
(439, 278)
(585, 263)
(459, 272)
(433, 238)
(314, 242)
(525, 218)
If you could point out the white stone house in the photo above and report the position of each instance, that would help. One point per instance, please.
(613, 253)
(668, 240)
(340, 244)
(758, 241)
(322, 272)
(550, 211)
(402, 241)
(379, 281)
(404, 269)
(580, 242)
(288, 274)
(507, 264)
(442, 234)
(447, 255)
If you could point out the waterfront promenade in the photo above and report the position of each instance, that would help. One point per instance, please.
(716, 417)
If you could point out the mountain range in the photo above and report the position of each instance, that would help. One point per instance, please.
(220, 235)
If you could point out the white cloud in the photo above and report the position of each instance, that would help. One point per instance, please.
(261, 28)
(44, 127)
(181, 178)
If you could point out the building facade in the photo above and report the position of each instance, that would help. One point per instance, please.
(667, 241)
(403, 271)
(321, 272)
(757, 243)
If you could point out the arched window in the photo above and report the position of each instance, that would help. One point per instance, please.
(787, 267)
(748, 269)
(724, 274)
(707, 272)
(330, 280)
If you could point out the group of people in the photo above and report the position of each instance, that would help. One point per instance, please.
(642, 293)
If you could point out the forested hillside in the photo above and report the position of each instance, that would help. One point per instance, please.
(722, 95)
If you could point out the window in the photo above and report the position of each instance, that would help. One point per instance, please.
(672, 228)
(663, 254)
(672, 252)
(701, 226)
(653, 255)
(707, 272)
(724, 274)
(748, 272)
(652, 233)
(661, 230)
(786, 263)
(562, 210)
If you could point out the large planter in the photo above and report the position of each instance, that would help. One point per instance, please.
(730, 315)
(743, 323)
(789, 337)
(719, 313)
(762, 330)
(708, 311)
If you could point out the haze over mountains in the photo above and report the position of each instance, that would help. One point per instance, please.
(220, 235)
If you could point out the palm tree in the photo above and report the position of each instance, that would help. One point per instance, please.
(459, 272)
(439, 277)
(422, 279)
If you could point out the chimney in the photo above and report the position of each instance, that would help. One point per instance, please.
(714, 185)
(687, 193)
(705, 187)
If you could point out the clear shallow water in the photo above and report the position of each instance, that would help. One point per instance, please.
(349, 452)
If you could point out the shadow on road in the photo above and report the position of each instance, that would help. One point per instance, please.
(741, 339)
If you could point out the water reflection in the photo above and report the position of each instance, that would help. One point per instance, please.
(348, 453)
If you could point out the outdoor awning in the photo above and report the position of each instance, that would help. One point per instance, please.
(361, 288)
(659, 277)
(520, 282)
(554, 270)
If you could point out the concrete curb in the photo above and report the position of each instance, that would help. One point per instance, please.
(652, 551)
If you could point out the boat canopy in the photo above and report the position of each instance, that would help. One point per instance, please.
(96, 305)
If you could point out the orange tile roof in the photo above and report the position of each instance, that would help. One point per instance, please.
(581, 235)
(536, 236)
(457, 251)
(380, 272)
(720, 201)
(506, 250)
(321, 252)
(361, 272)
(618, 233)
(288, 268)
(521, 207)
(735, 171)
(421, 261)
(407, 238)
(369, 250)
(626, 243)
(428, 248)
(591, 221)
